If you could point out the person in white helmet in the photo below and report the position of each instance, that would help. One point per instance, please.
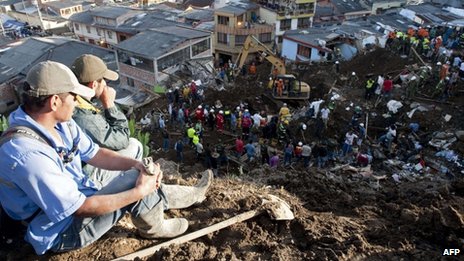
(220, 121)
(298, 151)
(211, 119)
(352, 80)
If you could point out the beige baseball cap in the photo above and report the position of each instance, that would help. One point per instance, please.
(49, 78)
(89, 68)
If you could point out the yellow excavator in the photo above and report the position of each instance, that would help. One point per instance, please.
(284, 86)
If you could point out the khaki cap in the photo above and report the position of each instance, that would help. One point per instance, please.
(89, 68)
(49, 78)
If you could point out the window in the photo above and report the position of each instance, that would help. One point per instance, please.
(130, 82)
(285, 24)
(136, 61)
(304, 51)
(265, 38)
(240, 39)
(76, 27)
(222, 38)
(306, 8)
(200, 47)
(303, 23)
(110, 34)
(88, 29)
(98, 31)
(240, 19)
(174, 59)
(223, 20)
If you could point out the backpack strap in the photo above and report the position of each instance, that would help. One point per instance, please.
(22, 131)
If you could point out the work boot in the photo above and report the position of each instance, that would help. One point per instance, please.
(153, 224)
(178, 197)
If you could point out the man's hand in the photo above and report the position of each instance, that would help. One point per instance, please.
(149, 182)
(107, 97)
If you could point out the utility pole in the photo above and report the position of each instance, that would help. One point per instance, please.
(36, 4)
(1, 24)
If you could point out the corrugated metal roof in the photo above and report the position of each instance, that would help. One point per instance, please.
(237, 8)
(146, 21)
(207, 26)
(432, 14)
(199, 15)
(348, 6)
(82, 17)
(112, 12)
(154, 43)
(34, 50)
(198, 3)
(62, 4)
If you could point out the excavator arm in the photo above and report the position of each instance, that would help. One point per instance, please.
(252, 42)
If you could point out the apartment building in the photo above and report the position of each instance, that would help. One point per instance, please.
(233, 23)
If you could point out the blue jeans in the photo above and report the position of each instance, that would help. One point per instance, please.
(180, 156)
(287, 158)
(133, 150)
(165, 144)
(84, 231)
(306, 161)
(321, 161)
(346, 148)
(385, 140)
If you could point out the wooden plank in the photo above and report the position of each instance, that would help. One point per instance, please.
(191, 236)
(418, 56)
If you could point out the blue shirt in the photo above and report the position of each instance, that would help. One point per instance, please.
(250, 149)
(33, 177)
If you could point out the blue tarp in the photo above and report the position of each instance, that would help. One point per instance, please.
(13, 25)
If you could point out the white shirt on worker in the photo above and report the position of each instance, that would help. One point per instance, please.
(325, 113)
(350, 138)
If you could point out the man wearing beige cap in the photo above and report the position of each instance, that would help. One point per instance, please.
(41, 178)
(106, 124)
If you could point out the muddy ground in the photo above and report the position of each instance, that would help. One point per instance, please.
(340, 215)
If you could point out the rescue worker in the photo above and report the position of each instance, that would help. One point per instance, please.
(369, 88)
(352, 80)
(284, 112)
(252, 69)
(227, 116)
(282, 131)
(413, 83)
(280, 87)
(220, 121)
(199, 114)
(190, 133)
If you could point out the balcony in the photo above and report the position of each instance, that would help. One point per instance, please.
(284, 14)
(254, 28)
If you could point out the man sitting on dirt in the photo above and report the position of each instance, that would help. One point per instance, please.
(43, 182)
(108, 126)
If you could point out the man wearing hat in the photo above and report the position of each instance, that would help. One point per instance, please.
(106, 125)
(42, 182)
